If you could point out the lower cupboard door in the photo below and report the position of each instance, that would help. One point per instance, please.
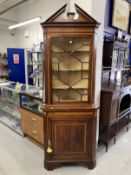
(71, 140)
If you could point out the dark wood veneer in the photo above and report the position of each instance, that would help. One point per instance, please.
(70, 127)
(112, 110)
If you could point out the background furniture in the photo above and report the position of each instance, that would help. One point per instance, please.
(34, 70)
(11, 99)
(10, 108)
(70, 113)
(116, 67)
(32, 119)
(3, 66)
(116, 89)
(16, 64)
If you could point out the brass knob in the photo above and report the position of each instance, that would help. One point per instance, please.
(34, 132)
(49, 149)
(34, 120)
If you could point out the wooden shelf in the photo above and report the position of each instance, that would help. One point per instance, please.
(69, 70)
(68, 88)
(71, 52)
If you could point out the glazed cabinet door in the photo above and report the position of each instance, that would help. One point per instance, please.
(71, 65)
(71, 138)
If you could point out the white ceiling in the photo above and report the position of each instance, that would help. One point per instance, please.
(7, 4)
(1, 1)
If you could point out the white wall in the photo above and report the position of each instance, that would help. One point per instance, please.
(43, 8)
(84, 4)
(32, 8)
(6, 39)
(98, 12)
(34, 33)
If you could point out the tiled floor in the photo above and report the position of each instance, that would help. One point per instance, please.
(18, 156)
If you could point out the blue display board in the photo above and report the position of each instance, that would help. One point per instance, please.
(16, 64)
(130, 54)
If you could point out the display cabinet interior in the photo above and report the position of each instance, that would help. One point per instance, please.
(70, 68)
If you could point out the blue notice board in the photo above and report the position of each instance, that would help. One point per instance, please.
(16, 64)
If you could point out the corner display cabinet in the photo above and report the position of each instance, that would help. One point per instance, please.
(70, 113)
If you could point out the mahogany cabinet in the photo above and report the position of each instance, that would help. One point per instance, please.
(70, 113)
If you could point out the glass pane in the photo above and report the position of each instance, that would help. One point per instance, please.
(70, 68)
(32, 104)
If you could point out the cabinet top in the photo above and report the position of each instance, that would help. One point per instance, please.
(61, 18)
